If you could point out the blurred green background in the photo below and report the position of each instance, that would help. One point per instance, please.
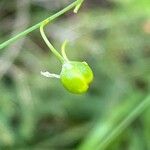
(37, 113)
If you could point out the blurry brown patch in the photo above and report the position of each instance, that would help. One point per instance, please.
(146, 27)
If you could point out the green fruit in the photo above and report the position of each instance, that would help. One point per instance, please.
(76, 76)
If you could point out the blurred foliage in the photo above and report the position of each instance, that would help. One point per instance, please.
(38, 113)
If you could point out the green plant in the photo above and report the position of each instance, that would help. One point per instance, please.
(75, 76)
(114, 115)
(75, 4)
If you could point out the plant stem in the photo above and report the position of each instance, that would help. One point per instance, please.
(63, 47)
(78, 6)
(125, 123)
(49, 44)
(6, 43)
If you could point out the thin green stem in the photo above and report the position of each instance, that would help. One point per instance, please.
(13, 39)
(49, 44)
(78, 6)
(63, 47)
(125, 123)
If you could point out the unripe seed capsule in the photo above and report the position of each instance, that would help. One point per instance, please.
(76, 76)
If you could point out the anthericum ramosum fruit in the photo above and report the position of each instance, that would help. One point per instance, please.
(76, 76)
